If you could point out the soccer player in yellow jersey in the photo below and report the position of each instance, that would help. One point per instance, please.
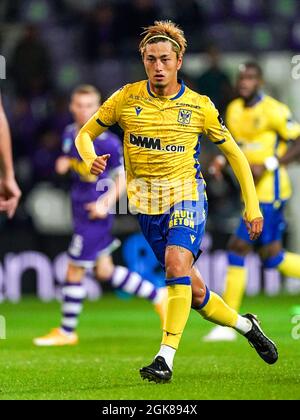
(262, 127)
(163, 121)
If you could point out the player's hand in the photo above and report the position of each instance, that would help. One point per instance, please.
(10, 195)
(257, 172)
(97, 210)
(62, 165)
(99, 165)
(216, 167)
(255, 227)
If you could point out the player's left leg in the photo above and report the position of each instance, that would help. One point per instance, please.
(131, 282)
(213, 308)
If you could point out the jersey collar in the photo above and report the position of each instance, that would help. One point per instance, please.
(172, 98)
(258, 98)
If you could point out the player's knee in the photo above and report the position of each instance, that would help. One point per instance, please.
(178, 264)
(273, 261)
(104, 270)
(238, 247)
(74, 273)
(175, 269)
(198, 297)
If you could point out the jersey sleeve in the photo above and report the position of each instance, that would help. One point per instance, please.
(217, 132)
(284, 124)
(214, 126)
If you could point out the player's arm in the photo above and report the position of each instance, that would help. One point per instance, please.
(107, 115)
(218, 133)
(9, 191)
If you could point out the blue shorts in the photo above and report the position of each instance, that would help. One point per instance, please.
(184, 226)
(274, 225)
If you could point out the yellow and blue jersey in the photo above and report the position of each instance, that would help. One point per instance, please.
(161, 142)
(263, 130)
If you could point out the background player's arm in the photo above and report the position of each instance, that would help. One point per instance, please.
(218, 133)
(9, 191)
(292, 153)
(64, 164)
(287, 129)
(101, 208)
(107, 115)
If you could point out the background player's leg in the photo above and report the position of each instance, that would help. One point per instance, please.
(131, 282)
(73, 294)
(274, 256)
(236, 276)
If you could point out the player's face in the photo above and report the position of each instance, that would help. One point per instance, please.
(161, 64)
(83, 106)
(248, 83)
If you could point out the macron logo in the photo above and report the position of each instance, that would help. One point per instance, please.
(192, 238)
(138, 110)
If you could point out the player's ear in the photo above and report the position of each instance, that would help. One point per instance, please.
(179, 62)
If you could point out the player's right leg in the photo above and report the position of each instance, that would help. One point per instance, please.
(73, 294)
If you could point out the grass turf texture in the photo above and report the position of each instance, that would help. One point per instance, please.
(117, 337)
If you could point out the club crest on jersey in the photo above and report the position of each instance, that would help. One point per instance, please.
(138, 110)
(184, 116)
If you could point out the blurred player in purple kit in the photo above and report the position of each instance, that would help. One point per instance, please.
(92, 242)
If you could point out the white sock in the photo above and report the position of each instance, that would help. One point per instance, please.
(243, 325)
(168, 354)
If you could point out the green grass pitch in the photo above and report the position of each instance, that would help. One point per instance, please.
(117, 337)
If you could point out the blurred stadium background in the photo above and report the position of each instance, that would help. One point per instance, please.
(50, 46)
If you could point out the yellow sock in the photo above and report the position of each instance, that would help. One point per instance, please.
(217, 311)
(290, 266)
(178, 310)
(235, 285)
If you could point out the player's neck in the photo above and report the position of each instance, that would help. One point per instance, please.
(169, 90)
(253, 99)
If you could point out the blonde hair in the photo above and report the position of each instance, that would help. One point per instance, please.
(164, 30)
(86, 90)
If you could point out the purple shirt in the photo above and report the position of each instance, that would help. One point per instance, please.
(83, 189)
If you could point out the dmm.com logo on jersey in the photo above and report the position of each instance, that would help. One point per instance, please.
(155, 144)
